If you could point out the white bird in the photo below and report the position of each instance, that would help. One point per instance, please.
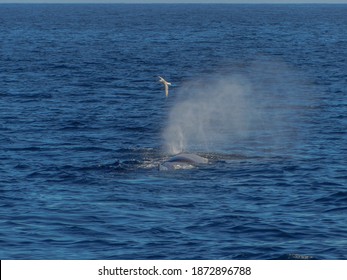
(166, 84)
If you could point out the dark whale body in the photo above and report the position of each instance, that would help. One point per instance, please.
(182, 161)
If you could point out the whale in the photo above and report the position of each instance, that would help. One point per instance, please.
(182, 161)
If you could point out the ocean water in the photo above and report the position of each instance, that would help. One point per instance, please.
(259, 90)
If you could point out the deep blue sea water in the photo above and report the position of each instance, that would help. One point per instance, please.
(259, 90)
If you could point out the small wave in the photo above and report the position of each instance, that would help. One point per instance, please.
(337, 197)
(293, 256)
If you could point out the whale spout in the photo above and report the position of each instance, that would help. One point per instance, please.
(182, 161)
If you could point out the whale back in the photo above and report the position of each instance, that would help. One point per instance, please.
(182, 161)
(189, 158)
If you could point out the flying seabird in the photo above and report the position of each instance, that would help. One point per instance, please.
(166, 84)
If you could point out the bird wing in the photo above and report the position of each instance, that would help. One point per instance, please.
(166, 89)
